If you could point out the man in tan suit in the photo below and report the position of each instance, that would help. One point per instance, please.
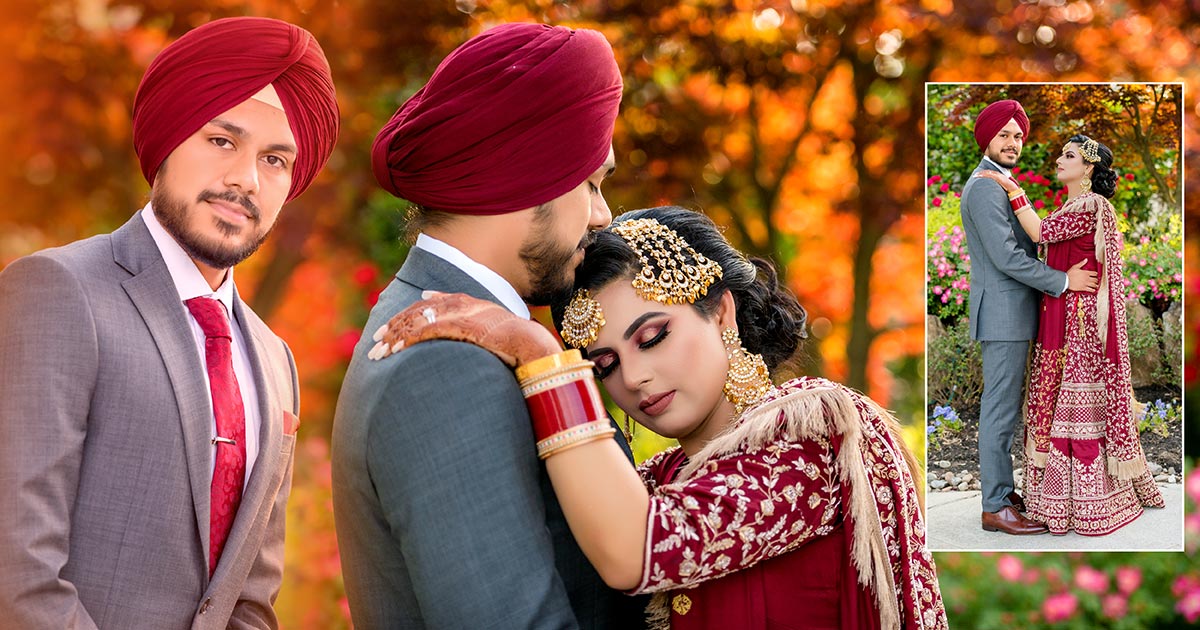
(147, 415)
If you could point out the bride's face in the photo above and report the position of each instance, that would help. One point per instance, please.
(1071, 167)
(664, 365)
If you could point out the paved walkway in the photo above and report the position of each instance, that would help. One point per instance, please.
(953, 522)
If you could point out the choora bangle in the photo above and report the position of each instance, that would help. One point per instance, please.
(1019, 202)
(563, 402)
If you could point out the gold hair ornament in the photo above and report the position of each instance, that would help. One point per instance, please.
(684, 276)
(1090, 149)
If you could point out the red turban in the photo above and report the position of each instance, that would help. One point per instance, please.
(993, 118)
(513, 118)
(219, 65)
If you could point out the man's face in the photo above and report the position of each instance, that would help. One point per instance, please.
(1005, 148)
(558, 234)
(220, 191)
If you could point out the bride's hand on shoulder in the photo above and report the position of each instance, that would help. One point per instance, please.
(459, 317)
(1004, 182)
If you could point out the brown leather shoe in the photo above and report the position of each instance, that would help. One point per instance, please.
(1009, 521)
(1016, 501)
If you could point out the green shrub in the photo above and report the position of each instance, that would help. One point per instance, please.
(955, 372)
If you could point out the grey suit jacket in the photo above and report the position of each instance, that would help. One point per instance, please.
(445, 516)
(1005, 272)
(105, 450)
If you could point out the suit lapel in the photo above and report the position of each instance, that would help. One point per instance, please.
(424, 270)
(153, 294)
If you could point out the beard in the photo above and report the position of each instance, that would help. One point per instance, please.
(551, 274)
(172, 213)
(1003, 159)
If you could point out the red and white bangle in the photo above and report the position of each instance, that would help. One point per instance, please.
(563, 402)
(1018, 200)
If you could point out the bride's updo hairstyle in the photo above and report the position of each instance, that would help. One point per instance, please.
(770, 320)
(1104, 179)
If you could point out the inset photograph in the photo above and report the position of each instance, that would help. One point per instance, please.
(1054, 267)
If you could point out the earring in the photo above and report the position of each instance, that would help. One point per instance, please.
(748, 379)
(1086, 184)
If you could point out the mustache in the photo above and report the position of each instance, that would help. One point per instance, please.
(229, 196)
(588, 239)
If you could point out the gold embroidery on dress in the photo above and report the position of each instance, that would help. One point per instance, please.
(681, 603)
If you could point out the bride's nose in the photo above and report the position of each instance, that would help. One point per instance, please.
(635, 373)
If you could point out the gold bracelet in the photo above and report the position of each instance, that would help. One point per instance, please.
(1016, 193)
(574, 436)
(548, 363)
(556, 379)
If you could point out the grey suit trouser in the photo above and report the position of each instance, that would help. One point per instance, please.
(1004, 365)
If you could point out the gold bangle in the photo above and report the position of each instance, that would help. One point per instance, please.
(557, 379)
(574, 436)
(547, 363)
(1016, 193)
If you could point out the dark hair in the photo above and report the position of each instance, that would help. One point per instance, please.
(1104, 179)
(770, 320)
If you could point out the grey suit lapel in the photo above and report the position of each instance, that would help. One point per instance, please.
(153, 294)
(424, 270)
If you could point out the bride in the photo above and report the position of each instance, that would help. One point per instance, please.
(784, 506)
(1086, 469)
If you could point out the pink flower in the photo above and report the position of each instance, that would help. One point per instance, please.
(937, 201)
(1128, 579)
(1091, 580)
(935, 179)
(1039, 204)
(1192, 486)
(1114, 606)
(1059, 607)
(945, 187)
(1189, 606)
(1129, 176)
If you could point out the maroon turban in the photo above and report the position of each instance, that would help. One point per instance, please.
(993, 118)
(513, 118)
(219, 65)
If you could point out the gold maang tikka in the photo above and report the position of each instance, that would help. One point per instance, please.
(683, 277)
(1090, 149)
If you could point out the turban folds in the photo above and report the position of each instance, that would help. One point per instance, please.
(215, 67)
(515, 117)
(993, 118)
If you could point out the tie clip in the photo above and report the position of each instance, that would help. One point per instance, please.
(223, 439)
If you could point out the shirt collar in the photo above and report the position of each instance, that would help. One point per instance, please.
(1007, 173)
(189, 282)
(492, 281)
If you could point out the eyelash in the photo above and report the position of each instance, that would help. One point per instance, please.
(605, 372)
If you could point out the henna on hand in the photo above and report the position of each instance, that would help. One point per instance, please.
(459, 317)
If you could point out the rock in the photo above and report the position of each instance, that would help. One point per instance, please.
(948, 477)
(933, 329)
(1170, 470)
(943, 464)
(1154, 468)
(963, 486)
(975, 485)
(1143, 361)
(1161, 477)
(1172, 479)
(1172, 327)
(937, 484)
(968, 477)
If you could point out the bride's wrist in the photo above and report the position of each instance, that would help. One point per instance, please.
(564, 404)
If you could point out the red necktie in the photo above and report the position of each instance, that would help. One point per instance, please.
(230, 467)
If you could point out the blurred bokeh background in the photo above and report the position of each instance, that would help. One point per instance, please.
(798, 124)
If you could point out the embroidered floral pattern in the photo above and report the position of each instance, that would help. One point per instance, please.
(1079, 409)
(750, 504)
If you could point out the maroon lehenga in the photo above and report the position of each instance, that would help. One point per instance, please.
(803, 515)
(1085, 469)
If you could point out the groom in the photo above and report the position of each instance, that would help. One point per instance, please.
(1006, 278)
(445, 516)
